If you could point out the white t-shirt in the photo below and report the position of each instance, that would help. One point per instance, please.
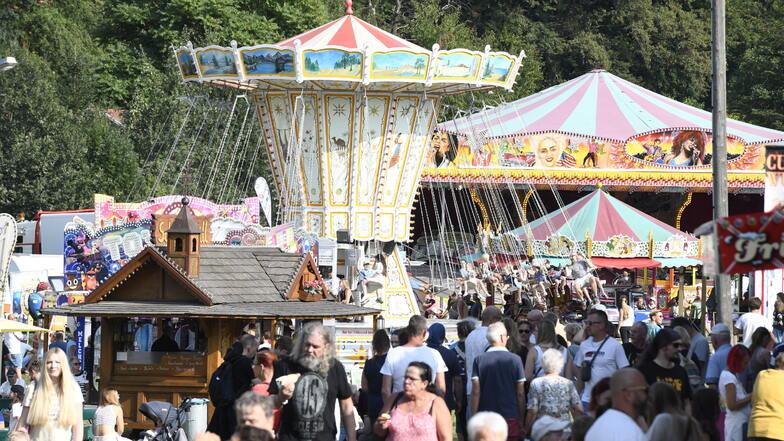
(400, 357)
(16, 412)
(5, 388)
(614, 425)
(475, 344)
(734, 416)
(13, 341)
(749, 322)
(608, 360)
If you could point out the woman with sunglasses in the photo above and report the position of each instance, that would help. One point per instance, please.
(660, 363)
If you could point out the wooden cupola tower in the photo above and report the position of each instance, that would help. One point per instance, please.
(183, 245)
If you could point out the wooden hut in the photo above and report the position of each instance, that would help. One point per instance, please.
(190, 303)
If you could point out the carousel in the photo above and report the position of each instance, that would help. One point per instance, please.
(347, 111)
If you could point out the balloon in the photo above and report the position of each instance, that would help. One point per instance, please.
(34, 303)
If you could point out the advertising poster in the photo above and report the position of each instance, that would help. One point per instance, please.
(768, 283)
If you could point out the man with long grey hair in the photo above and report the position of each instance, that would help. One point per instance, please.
(307, 386)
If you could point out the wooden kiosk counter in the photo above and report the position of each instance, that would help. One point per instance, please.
(169, 314)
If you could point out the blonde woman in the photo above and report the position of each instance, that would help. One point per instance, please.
(108, 422)
(625, 320)
(53, 410)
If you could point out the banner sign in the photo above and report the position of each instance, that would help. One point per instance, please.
(774, 177)
(751, 242)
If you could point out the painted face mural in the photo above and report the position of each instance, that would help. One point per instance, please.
(548, 153)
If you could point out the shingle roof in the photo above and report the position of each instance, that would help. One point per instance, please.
(287, 309)
(233, 281)
(247, 274)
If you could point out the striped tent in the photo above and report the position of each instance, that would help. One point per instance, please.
(598, 105)
(602, 216)
(352, 33)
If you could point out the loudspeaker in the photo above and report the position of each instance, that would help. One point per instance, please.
(343, 236)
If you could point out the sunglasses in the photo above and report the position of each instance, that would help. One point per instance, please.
(524, 331)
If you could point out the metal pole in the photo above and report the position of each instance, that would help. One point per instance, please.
(703, 300)
(681, 293)
(720, 199)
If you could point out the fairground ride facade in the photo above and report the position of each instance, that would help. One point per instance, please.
(348, 111)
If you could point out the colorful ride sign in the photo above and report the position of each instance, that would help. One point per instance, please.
(751, 242)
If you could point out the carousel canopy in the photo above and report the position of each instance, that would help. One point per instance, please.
(621, 235)
(350, 32)
(599, 105)
(602, 217)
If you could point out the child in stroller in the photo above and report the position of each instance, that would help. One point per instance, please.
(168, 420)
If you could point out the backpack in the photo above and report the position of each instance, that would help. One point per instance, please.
(221, 387)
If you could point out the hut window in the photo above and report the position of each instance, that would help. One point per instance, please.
(193, 245)
(178, 244)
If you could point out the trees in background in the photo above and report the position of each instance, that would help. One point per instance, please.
(79, 58)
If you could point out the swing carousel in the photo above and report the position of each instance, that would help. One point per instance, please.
(347, 112)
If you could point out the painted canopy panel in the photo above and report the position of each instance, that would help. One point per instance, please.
(582, 131)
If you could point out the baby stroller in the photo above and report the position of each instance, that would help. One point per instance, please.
(168, 420)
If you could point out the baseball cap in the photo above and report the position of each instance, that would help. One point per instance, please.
(720, 328)
(545, 425)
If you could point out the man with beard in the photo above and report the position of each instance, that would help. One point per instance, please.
(307, 386)
(659, 363)
(636, 344)
(629, 398)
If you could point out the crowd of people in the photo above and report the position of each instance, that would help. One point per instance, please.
(529, 377)
(532, 378)
(526, 284)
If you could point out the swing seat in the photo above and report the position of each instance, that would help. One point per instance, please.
(374, 285)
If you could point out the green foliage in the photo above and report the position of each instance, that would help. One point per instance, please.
(78, 58)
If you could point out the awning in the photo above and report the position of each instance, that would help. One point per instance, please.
(635, 262)
(678, 262)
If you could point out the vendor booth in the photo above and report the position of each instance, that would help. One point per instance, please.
(170, 313)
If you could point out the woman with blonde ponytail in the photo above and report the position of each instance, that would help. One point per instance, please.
(53, 410)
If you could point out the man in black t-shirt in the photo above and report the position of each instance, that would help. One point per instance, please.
(636, 344)
(308, 400)
(663, 367)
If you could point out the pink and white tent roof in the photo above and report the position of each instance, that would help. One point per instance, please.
(352, 33)
(601, 216)
(599, 105)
